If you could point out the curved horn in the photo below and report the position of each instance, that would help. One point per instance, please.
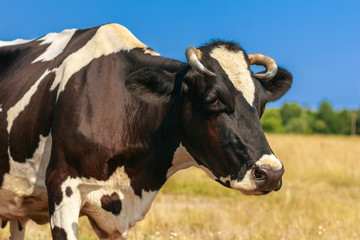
(192, 55)
(267, 62)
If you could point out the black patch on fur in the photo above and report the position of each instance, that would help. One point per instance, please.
(111, 203)
(68, 191)
(231, 46)
(179, 77)
(58, 233)
(20, 227)
(53, 183)
(226, 184)
(7, 58)
(3, 224)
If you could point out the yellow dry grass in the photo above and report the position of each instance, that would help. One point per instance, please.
(320, 199)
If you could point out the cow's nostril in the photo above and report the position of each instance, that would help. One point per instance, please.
(259, 174)
(267, 179)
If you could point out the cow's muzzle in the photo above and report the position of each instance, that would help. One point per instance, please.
(267, 179)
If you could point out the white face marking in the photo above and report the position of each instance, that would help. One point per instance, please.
(235, 66)
(247, 184)
(57, 41)
(110, 38)
(182, 159)
(24, 177)
(15, 110)
(269, 161)
(14, 42)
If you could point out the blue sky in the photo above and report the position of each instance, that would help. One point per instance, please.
(318, 41)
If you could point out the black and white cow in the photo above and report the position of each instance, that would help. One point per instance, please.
(93, 122)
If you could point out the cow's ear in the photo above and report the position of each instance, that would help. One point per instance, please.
(151, 85)
(278, 86)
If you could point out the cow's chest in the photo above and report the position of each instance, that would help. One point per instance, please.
(114, 217)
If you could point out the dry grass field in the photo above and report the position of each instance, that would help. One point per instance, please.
(320, 199)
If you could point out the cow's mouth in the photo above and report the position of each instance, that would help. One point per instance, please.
(259, 181)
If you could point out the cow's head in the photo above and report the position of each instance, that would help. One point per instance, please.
(222, 105)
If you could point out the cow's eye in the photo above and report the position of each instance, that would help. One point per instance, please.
(211, 99)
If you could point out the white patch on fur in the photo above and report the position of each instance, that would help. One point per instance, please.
(40, 186)
(246, 184)
(23, 178)
(66, 214)
(109, 39)
(0, 107)
(235, 66)
(90, 192)
(15, 110)
(269, 161)
(14, 42)
(57, 41)
(182, 160)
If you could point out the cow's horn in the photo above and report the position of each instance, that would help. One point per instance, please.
(192, 55)
(267, 62)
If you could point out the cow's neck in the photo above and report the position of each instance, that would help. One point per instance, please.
(155, 157)
(181, 158)
(157, 137)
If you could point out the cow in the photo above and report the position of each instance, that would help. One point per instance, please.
(93, 122)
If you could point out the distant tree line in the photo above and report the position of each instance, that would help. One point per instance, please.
(292, 118)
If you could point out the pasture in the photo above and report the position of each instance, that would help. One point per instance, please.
(320, 199)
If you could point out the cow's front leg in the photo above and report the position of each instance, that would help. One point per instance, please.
(64, 207)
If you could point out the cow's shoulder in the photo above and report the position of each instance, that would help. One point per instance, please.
(112, 37)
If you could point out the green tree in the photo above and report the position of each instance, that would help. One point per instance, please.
(310, 117)
(320, 126)
(271, 121)
(358, 122)
(327, 114)
(296, 125)
(343, 122)
(292, 118)
(289, 111)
